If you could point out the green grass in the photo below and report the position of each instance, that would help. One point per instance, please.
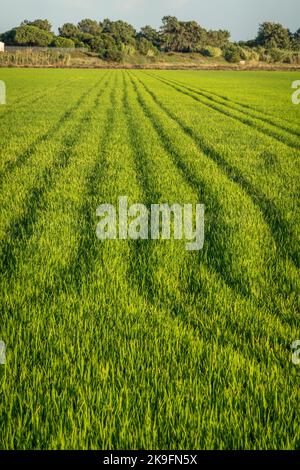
(141, 344)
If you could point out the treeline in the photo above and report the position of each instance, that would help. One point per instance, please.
(112, 40)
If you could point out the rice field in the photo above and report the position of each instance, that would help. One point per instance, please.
(141, 344)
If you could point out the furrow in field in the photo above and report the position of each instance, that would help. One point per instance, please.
(50, 294)
(19, 229)
(222, 109)
(132, 347)
(189, 289)
(171, 286)
(95, 338)
(27, 124)
(223, 255)
(199, 185)
(269, 119)
(11, 165)
(143, 260)
(279, 228)
(83, 261)
(58, 230)
(118, 345)
(32, 98)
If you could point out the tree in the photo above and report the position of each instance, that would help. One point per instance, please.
(193, 36)
(150, 34)
(68, 30)
(180, 36)
(121, 31)
(219, 38)
(63, 42)
(9, 37)
(170, 31)
(45, 25)
(90, 27)
(296, 40)
(96, 44)
(273, 35)
(106, 47)
(32, 36)
(111, 51)
(211, 51)
(189, 36)
(114, 39)
(146, 47)
(86, 39)
(233, 53)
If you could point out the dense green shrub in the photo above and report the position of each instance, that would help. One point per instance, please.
(108, 49)
(146, 48)
(68, 30)
(273, 36)
(97, 45)
(45, 25)
(246, 53)
(128, 49)
(233, 53)
(78, 43)
(63, 42)
(296, 57)
(276, 55)
(32, 36)
(113, 54)
(262, 54)
(210, 51)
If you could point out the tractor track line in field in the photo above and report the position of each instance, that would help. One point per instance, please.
(264, 117)
(201, 189)
(141, 271)
(23, 157)
(22, 229)
(227, 106)
(237, 287)
(85, 257)
(245, 121)
(275, 306)
(272, 216)
(267, 116)
(20, 103)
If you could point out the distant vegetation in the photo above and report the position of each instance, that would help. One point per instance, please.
(114, 40)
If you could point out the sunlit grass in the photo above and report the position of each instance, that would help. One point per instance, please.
(123, 344)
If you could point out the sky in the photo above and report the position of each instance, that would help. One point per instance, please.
(240, 17)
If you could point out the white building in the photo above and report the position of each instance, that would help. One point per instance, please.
(1, 46)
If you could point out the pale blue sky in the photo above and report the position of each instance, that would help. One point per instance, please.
(240, 17)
